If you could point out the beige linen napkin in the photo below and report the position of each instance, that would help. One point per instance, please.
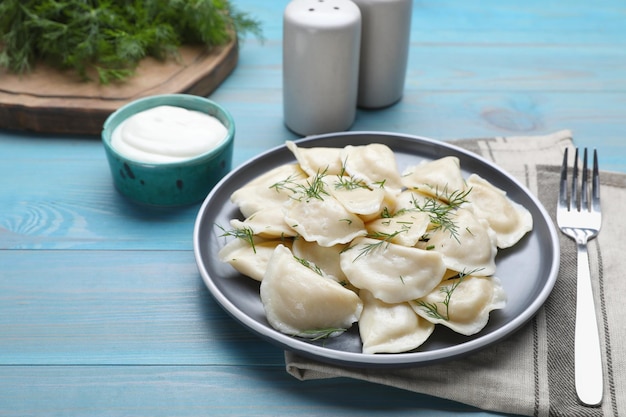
(532, 371)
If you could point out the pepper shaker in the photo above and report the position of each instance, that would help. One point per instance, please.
(385, 38)
(321, 47)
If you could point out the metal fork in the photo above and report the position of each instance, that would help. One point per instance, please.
(580, 219)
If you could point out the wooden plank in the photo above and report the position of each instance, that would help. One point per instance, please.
(202, 391)
(532, 21)
(116, 307)
(492, 22)
(79, 208)
(461, 66)
(51, 101)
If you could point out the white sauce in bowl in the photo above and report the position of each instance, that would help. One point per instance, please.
(167, 134)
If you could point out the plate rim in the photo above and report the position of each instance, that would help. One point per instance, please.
(354, 359)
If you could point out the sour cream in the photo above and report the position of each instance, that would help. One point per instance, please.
(167, 134)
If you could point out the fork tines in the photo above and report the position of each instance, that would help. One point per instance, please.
(576, 201)
(595, 184)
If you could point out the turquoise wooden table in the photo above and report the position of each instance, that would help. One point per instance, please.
(102, 308)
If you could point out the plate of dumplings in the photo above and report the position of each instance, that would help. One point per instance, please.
(375, 249)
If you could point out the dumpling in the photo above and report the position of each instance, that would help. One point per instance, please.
(323, 220)
(375, 164)
(261, 192)
(391, 328)
(249, 260)
(359, 200)
(317, 160)
(410, 199)
(438, 178)
(468, 244)
(326, 258)
(299, 301)
(268, 222)
(405, 228)
(392, 273)
(462, 304)
(510, 220)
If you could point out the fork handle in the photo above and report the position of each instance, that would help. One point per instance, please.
(588, 360)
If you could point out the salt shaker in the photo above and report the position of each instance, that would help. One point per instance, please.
(385, 38)
(321, 47)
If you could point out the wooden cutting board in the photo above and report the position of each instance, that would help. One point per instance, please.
(51, 101)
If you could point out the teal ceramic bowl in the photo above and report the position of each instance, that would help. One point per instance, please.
(169, 183)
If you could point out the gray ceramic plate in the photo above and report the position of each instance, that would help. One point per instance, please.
(528, 270)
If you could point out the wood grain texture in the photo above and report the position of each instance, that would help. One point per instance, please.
(102, 310)
(52, 101)
(118, 308)
(202, 391)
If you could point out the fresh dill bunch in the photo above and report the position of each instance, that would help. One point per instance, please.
(111, 37)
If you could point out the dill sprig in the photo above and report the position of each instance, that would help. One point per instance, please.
(383, 240)
(432, 309)
(318, 334)
(313, 188)
(381, 183)
(348, 182)
(351, 182)
(309, 265)
(246, 234)
(290, 184)
(440, 213)
(387, 214)
(111, 37)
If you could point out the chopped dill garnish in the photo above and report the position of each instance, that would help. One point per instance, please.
(386, 237)
(405, 224)
(314, 187)
(309, 265)
(381, 183)
(432, 309)
(441, 213)
(317, 334)
(386, 213)
(351, 182)
(348, 182)
(288, 184)
(383, 240)
(246, 234)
